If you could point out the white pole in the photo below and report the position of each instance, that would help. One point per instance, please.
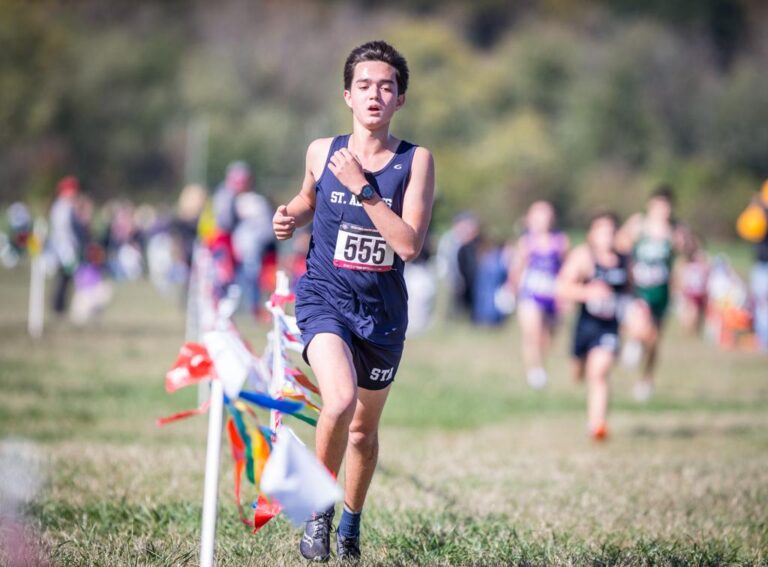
(225, 310)
(36, 314)
(282, 288)
(200, 306)
(211, 489)
(36, 298)
(198, 322)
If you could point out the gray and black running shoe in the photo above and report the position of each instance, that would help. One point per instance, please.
(347, 548)
(315, 544)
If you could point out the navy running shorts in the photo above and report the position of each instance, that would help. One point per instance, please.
(375, 365)
(594, 333)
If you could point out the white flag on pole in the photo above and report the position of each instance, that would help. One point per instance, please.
(296, 479)
(231, 360)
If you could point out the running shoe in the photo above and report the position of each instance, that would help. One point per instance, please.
(347, 548)
(315, 544)
(632, 354)
(642, 390)
(600, 433)
(537, 378)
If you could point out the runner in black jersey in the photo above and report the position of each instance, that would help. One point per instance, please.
(369, 197)
(597, 278)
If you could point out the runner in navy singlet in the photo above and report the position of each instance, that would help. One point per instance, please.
(537, 259)
(369, 197)
(597, 278)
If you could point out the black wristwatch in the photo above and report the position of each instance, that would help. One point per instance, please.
(366, 193)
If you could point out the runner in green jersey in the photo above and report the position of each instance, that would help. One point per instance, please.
(652, 259)
(652, 239)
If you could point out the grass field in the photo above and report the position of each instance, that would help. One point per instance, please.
(474, 468)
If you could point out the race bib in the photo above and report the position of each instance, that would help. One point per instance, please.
(650, 275)
(603, 308)
(359, 248)
(539, 283)
(695, 280)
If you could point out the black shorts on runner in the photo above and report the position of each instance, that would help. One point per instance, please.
(375, 365)
(594, 333)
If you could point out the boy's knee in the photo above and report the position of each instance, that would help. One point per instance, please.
(363, 439)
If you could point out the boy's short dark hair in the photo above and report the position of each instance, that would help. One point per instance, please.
(377, 51)
(664, 191)
(604, 214)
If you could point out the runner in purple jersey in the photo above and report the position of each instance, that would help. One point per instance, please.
(538, 256)
(369, 197)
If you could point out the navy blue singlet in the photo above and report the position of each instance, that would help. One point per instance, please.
(350, 269)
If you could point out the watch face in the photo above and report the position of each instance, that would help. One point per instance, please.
(367, 192)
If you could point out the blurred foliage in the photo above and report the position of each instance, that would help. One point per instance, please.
(586, 103)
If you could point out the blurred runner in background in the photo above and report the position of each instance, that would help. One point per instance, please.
(652, 239)
(539, 253)
(596, 277)
(692, 293)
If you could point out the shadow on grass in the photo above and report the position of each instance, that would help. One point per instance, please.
(690, 431)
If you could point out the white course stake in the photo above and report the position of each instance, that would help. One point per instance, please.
(211, 490)
(36, 314)
(282, 288)
(226, 310)
(201, 315)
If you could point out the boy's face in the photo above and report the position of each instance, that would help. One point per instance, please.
(540, 217)
(602, 233)
(373, 95)
(239, 181)
(660, 208)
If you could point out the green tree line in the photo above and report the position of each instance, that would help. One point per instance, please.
(585, 103)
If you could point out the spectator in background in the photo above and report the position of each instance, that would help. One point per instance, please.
(490, 276)
(759, 280)
(165, 259)
(64, 240)
(251, 238)
(456, 261)
(752, 225)
(236, 181)
(422, 290)
(184, 227)
(122, 243)
(14, 245)
(92, 293)
(20, 226)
